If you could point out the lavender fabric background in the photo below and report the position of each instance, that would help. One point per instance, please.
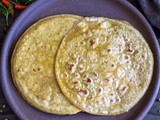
(151, 9)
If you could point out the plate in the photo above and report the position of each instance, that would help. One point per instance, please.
(117, 9)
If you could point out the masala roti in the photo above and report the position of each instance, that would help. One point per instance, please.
(106, 66)
(32, 64)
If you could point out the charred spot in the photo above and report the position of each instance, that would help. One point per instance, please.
(126, 57)
(111, 100)
(66, 74)
(112, 65)
(130, 80)
(70, 66)
(117, 99)
(84, 76)
(129, 50)
(39, 69)
(18, 70)
(103, 98)
(92, 43)
(138, 73)
(90, 97)
(34, 70)
(79, 58)
(86, 85)
(75, 82)
(111, 94)
(77, 75)
(80, 68)
(140, 85)
(82, 91)
(136, 66)
(82, 42)
(129, 45)
(122, 89)
(109, 50)
(136, 51)
(89, 80)
(99, 90)
(97, 102)
(125, 38)
(107, 79)
(95, 74)
(142, 56)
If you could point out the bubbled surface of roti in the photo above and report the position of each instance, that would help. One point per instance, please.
(33, 64)
(106, 66)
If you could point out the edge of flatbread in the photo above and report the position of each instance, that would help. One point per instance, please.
(68, 95)
(19, 87)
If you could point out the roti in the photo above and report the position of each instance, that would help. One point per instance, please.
(106, 66)
(32, 64)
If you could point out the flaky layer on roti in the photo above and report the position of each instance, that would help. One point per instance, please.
(32, 64)
(106, 66)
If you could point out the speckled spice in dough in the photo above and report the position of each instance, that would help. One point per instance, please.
(106, 66)
(33, 64)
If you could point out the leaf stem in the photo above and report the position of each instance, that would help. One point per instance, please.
(3, 6)
(17, 1)
(12, 2)
(7, 18)
(6, 13)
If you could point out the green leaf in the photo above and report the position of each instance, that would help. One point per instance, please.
(12, 2)
(17, 2)
(25, 2)
(28, 2)
(5, 12)
(2, 10)
(21, 1)
(10, 8)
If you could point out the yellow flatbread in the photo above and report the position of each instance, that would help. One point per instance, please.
(106, 66)
(33, 64)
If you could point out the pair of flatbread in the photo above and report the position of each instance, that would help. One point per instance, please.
(67, 63)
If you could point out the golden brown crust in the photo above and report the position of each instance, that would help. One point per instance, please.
(32, 64)
(106, 66)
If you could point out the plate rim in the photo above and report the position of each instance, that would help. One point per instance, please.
(39, 3)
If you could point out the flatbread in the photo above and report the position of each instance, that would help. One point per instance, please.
(106, 66)
(32, 64)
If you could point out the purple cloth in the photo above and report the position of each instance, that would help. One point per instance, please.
(151, 9)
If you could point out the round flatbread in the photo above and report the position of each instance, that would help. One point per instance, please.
(106, 66)
(32, 64)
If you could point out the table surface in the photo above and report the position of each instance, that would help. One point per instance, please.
(7, 114)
